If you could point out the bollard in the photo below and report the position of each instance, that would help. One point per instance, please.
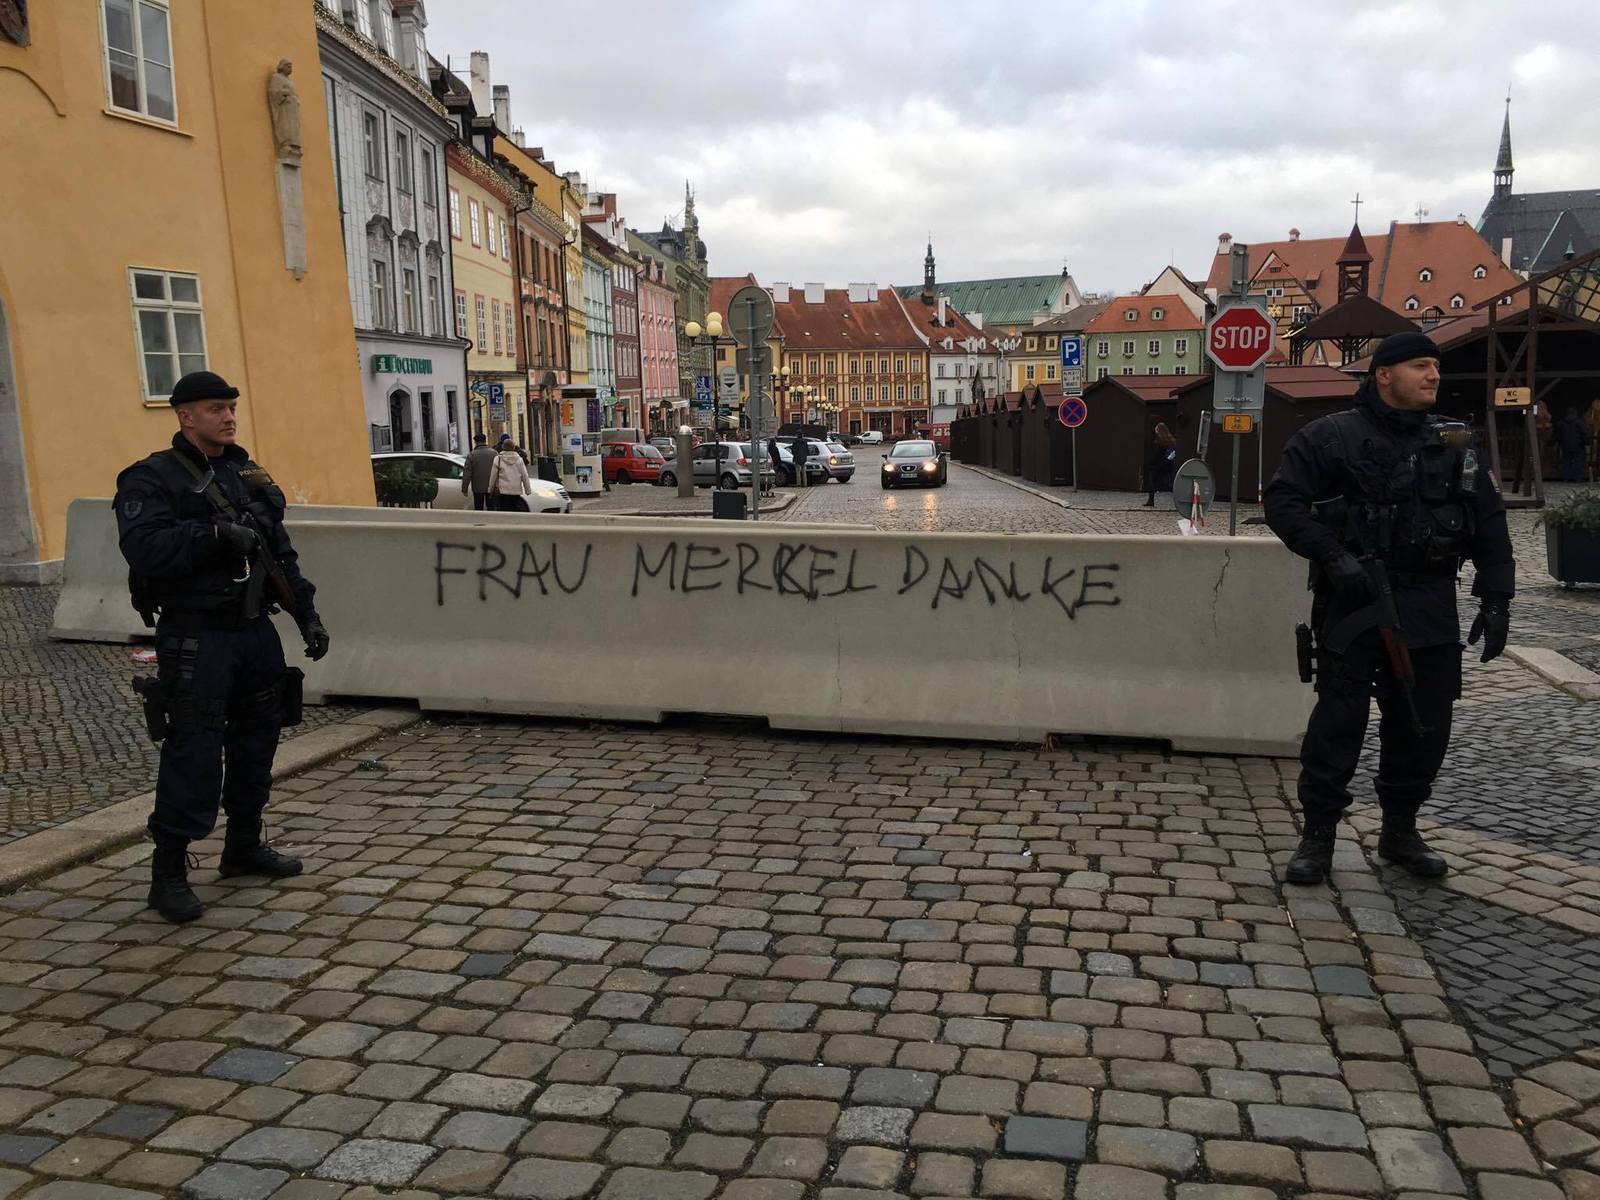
(685, 456)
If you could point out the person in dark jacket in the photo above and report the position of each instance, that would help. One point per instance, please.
(480, 465)
(1386, 483)
(1572, 439)
(801, 449)
(197, 524)
(775, 453)
(1162, 467)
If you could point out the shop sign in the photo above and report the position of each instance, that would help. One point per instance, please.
(400, 365)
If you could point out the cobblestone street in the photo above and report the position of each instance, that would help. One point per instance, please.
(549, 960)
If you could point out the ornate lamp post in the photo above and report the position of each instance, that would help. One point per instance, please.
(708, 337)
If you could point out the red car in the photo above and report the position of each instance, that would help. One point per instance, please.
(631, 462)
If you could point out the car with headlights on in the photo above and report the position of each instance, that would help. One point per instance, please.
(915, 464)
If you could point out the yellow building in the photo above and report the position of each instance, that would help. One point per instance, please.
(152, 225)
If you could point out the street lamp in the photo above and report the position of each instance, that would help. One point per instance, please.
(708, 337)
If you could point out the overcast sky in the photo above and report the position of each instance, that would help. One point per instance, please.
(826, 139)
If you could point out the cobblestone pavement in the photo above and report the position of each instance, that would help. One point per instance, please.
(72, 738)
(537, 960)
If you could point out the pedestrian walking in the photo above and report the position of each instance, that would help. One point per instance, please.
(201, 527)
(480, 464)
(1387, 501)
(801, 451)
(1572, 438)
(775, 453)
(1162, 466)
(509, 480)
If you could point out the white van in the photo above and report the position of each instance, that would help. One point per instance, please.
(872, 437)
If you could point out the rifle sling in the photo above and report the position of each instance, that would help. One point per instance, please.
(219, 501)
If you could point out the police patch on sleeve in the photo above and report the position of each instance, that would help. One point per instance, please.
(132, 508)
(256, 477)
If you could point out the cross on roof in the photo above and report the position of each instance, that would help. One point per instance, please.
(1357, 203)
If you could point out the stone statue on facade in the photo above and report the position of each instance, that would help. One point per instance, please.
(284, 105)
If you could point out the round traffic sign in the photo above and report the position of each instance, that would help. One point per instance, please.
(1192, 478)
(749, 314)
(1240, 338)
(1073, 411)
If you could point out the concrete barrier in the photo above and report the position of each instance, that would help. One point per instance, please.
(94, 605)
(995, 637)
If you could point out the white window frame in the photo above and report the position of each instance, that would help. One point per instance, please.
(461, 313)
(404, 170)
(1425, 275)
(409, 299)
(1412, 304)
(1131, 314)
(494, 250)
(1480, 272)
(169, 307)
(380, 294)
(430, 184)
(372, 148)
(1154, 346)
(1181, 346)
(1103, 348)
(1157, 314)
(1127, 347)
(1180, 369)
(1102, 372)
(455, 214)
(472, 222)
(1458, 301)
(139, 61)
(1152, 370)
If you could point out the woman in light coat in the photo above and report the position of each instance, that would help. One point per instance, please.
(509, 481)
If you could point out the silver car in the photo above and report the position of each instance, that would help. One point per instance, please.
(725, 465)
(449, 469)
(840, 462)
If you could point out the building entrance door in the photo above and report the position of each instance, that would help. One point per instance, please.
(400, 424)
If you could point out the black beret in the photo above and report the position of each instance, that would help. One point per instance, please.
(1403, 347)
(201, 385)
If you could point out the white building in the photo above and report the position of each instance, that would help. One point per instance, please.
(388, 133)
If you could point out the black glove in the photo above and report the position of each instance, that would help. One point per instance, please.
(1345, 575)
(237, 539)
(1492, 624)
(316, 636)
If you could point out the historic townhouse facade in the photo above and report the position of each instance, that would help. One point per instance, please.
(597, 317)
(388, 135)
(684, 255)
(176, 254)
(658, 344)
(1144, 335)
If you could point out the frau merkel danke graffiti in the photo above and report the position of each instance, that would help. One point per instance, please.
(807, 571)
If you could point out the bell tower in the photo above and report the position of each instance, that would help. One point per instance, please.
(1355, 263)
(1503, 169)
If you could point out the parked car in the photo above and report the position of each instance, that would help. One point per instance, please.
(872, 437)
(816, 465)
(668, 446)
(725, 465)
(920, 463)
(632, 462)
(841, 463)
(448, 469)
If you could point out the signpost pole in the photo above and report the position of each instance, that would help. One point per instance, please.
(753, 407)
(1233, 487)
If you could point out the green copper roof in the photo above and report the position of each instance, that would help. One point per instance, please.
(1001, 301)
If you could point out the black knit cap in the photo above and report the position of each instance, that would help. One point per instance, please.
(201, 385)
(1403, 347)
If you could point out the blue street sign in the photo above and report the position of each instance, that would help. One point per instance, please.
(702, 383)
(1073, 412)
(497, 393)
(701, 396)
(1072, 352)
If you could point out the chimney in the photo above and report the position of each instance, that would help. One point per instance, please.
(976, 318)
(780, 293)
(1461, 218)
(944, 307)
(1505, 251)
(816, 293)
(479, 82)
(872, 292)
(519, 137)
(858, 293)
(502, 107)
(1294, 235)
(1224, 243)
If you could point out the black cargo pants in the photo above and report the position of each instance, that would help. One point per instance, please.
(224, 693)
(1407, 763)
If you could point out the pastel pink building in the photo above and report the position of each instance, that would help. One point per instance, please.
(658, 345)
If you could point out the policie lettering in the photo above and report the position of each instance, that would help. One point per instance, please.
(799, 569)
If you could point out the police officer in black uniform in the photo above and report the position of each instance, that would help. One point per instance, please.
(200, 525)
(1388, 485)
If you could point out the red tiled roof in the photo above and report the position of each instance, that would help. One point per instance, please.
(1449, 249)
(1174, 316)
(924, 317)
(838, 324)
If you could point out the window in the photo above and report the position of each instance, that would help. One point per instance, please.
(900, 391)
(435, 312)
(1032, 345)
(408, 300)
(402, 160)
(939, 370)
(1127, 346)
(371, 145)
(883, 365)
(943, 396)
(872, 393)
(1152, 370)
(1127, 370)
(1411, 304)
(171, 328)
(376, 22)
(870, 365)
(472, 221)
(489, 232)
(461, 314)
(430, 185)
(455, 214)
(495, 309)
(138, 41)
(380, 294)
(1155, 345)
(855, 395)
(1157, 314)
(1103, 348)
(425, 405)
(505, 242)
(1051, 343)
(483, 324)
(1180, 369)
(1029, 372)
(1458, 301)
(899, 366)
(1131, 314)
(1424, 276)
(1049, 371)
(1102, 372)
(1480, 272)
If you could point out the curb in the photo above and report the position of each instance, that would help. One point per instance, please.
(777, 505)
(1557, 669)
(1020, 485)
(116, 825)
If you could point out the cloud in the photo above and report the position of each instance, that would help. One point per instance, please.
(826, 141)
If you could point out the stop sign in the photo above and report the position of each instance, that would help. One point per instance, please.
(1240, 338)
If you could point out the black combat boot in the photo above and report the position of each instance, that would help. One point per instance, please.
(170, 894)
(1313, 858)
(1400, 843)
(244, 853)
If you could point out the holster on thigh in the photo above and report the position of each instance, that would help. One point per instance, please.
(262, 707)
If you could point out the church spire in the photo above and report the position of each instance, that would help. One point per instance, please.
(1502, 164)
(927, 267)
(1354, 263)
